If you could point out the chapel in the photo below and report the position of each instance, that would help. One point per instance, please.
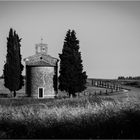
(41, 73)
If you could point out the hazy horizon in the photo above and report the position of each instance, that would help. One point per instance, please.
(109, 32)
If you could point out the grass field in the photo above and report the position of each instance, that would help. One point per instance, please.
(89, 116)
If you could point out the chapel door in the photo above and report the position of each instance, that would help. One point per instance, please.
(40, 92)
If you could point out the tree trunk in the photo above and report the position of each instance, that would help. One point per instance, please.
(14, 93)
(11, 94)
(72, 94)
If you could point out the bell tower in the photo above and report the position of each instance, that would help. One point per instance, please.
(41, 48)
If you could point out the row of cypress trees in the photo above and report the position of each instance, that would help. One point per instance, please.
(72, 79)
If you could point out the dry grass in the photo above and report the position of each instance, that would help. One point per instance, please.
(88, 117)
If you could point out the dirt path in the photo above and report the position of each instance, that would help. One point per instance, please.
(127, 95)
(133, 94)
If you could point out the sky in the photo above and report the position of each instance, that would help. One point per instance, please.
(108, 31)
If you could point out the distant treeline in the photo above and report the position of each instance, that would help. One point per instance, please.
(129, 78)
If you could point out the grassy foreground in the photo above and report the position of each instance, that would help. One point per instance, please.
(84, 117)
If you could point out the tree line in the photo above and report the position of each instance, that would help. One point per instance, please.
(72, 78)
(129, 78)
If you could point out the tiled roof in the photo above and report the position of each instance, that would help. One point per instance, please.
(41, 59)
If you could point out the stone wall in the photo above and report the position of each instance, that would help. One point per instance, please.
(40, 76)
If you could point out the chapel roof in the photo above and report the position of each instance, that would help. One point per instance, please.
(41, 58)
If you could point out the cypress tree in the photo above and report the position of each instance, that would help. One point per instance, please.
(13, 80)
(72, 79)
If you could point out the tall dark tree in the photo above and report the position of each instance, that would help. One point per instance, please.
(13, 79)
(72, 79)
